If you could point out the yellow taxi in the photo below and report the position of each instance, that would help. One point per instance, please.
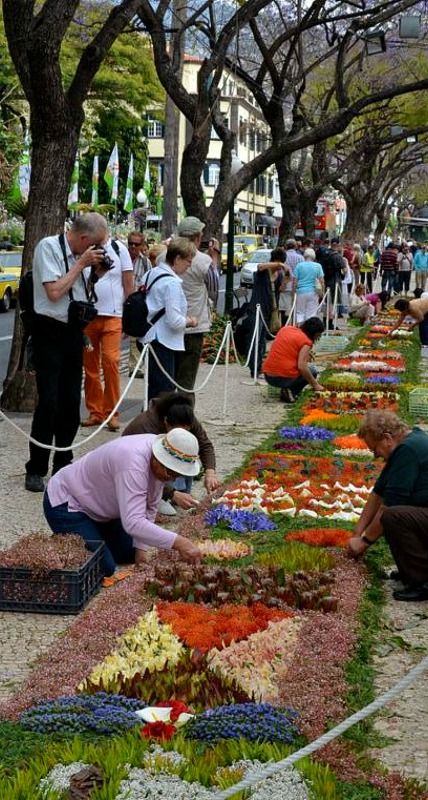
(10, 273)
(239, 256)
(249, 241)
(8, 290)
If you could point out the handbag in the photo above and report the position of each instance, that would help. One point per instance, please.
(80, 312)
(275, 321)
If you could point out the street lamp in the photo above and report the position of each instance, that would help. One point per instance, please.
(142, 211)
(235, 166)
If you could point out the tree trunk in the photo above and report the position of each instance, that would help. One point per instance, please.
(52, 164)
(307, 217)
(289, 197)
(359, 216)
(192, 165)
(170, 183)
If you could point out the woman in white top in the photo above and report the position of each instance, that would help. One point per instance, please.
(166, 336)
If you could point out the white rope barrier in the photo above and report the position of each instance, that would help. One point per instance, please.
(226, 369)
(205, 381)
(335, 304)
(76, 445)
(326, 738)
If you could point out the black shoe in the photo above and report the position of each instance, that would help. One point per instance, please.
(34, 483)
(287, 396)
(412, 594)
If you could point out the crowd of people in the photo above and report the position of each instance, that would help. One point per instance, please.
(113, 494)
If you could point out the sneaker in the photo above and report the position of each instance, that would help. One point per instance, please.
(34, 483)
(166, 508)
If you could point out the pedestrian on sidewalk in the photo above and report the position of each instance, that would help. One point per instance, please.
(166, 336)
(137, 248)
(200, 286)
(57, 339)
(102, 392)
(111, 495)
(398, 505)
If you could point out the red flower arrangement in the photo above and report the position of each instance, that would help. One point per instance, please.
(204, 628)
(163, 731)
(321, 537)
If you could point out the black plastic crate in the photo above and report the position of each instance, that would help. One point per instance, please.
(60, 591)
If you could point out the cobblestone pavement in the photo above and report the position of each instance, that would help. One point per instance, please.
(250, 418)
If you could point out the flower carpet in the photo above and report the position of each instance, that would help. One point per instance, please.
(181, 680)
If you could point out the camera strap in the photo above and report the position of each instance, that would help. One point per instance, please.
(89, 297)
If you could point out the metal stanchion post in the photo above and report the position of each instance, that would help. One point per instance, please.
(146, 379)
(256, 344)
(226, 368)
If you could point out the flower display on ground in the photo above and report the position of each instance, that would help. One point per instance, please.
(321, 537)
(100, 713)
(348, 402)
(205, 628)
(149, 645)
(307, 433)
(253, 495)
(224, 549)
(164, 719)
(253, 662)
(236, 518)
(256, 722)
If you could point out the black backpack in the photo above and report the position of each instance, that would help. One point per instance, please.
(26, 300)
(135, 310)
(332, 264)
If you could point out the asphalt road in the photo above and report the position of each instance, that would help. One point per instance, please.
(7, 320)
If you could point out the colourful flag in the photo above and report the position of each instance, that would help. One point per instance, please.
(129, 194)
(111, 175)
(73, 196)
(95, 180)
(24, 171)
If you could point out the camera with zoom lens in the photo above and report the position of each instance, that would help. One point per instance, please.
(106, 262)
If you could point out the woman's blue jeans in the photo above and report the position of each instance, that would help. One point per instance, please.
(295, 384)
(118, 546)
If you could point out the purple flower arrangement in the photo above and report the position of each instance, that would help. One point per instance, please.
(238, 520)
(255, 722)
(291, 447)
(383, 379)
(307, 433)
(99, 713)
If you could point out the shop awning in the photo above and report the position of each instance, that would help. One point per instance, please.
(266, 221)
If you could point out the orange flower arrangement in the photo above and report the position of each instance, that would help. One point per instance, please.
(352, 442)
(204, 628)
(321, 537)
(318, 415)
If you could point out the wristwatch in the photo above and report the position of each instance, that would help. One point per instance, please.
(366, 539)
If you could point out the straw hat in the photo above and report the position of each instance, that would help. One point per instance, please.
(178, 450)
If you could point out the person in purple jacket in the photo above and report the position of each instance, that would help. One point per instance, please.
(111, 496)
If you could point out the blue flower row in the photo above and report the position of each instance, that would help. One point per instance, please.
(238, 520)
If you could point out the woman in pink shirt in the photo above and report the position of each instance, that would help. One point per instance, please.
(110, 496)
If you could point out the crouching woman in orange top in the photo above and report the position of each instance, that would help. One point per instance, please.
(287, 364)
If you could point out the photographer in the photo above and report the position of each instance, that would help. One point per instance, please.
(105, 335)
(60, 298)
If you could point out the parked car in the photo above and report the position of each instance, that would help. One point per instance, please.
(11, 261)
(8, 290)
(239, 256)
(249, 241)
(248, 270)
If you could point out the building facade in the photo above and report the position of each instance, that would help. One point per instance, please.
(257, 208)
